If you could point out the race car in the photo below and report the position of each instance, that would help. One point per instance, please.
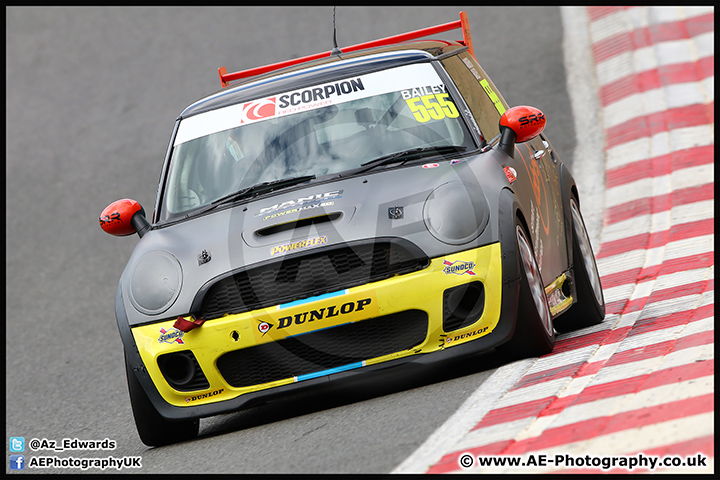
(342, 213)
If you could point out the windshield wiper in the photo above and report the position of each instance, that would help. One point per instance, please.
(264, 187)
(406, 155)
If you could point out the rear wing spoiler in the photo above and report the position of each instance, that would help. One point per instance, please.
(226, 78)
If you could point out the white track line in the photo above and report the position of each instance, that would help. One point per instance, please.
(474, 408)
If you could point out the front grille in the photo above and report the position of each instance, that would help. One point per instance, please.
(305, 275)
(324, 349)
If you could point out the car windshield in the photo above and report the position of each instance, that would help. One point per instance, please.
(320, 130)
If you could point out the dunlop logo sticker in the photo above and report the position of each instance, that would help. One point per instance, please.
(202, 396)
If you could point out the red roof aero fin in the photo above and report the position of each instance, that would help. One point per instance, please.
(226, 78)
(467, 38)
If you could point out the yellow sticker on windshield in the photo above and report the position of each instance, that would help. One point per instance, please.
(430, 103)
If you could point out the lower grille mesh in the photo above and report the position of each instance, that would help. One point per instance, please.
(313, 273)
(324, 349)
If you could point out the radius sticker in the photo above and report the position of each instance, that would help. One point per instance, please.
(510, 173)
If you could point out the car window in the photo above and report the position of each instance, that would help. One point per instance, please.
(479, 92)
(319, 130)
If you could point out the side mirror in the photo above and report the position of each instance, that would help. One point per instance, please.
(124, 217)
(518, 125)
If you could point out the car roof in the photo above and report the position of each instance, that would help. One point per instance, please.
(324, 70)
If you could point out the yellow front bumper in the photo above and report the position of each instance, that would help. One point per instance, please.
(421, 290)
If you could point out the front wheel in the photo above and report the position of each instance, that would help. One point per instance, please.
(534, 333)
(154, 429)
(589, 309)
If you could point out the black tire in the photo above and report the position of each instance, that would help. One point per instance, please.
(154, 429)
(534, 333)
(589, 309)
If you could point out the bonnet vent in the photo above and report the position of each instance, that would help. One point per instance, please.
(303, 222)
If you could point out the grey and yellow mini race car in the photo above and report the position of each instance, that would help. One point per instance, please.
(343, 213)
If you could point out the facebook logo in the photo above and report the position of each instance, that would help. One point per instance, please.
(17, 462)
(17, 444)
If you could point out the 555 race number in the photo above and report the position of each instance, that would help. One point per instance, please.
(432, 107)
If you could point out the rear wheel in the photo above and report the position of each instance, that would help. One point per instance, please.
(154, 429)
(589, 309)
(534, 334)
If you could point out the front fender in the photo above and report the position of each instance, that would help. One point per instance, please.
(508, 208)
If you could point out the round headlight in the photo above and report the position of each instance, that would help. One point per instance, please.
(155, 282)
(456, 213)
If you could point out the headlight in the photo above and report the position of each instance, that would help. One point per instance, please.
(155, 282)
(456, 212)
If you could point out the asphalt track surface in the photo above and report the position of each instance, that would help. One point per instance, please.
(91, 95)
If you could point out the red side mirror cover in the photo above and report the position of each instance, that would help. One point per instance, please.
(527, 122)
(115, 219)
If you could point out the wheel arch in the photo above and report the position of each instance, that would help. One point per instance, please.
(509, 209)
(514, 312)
